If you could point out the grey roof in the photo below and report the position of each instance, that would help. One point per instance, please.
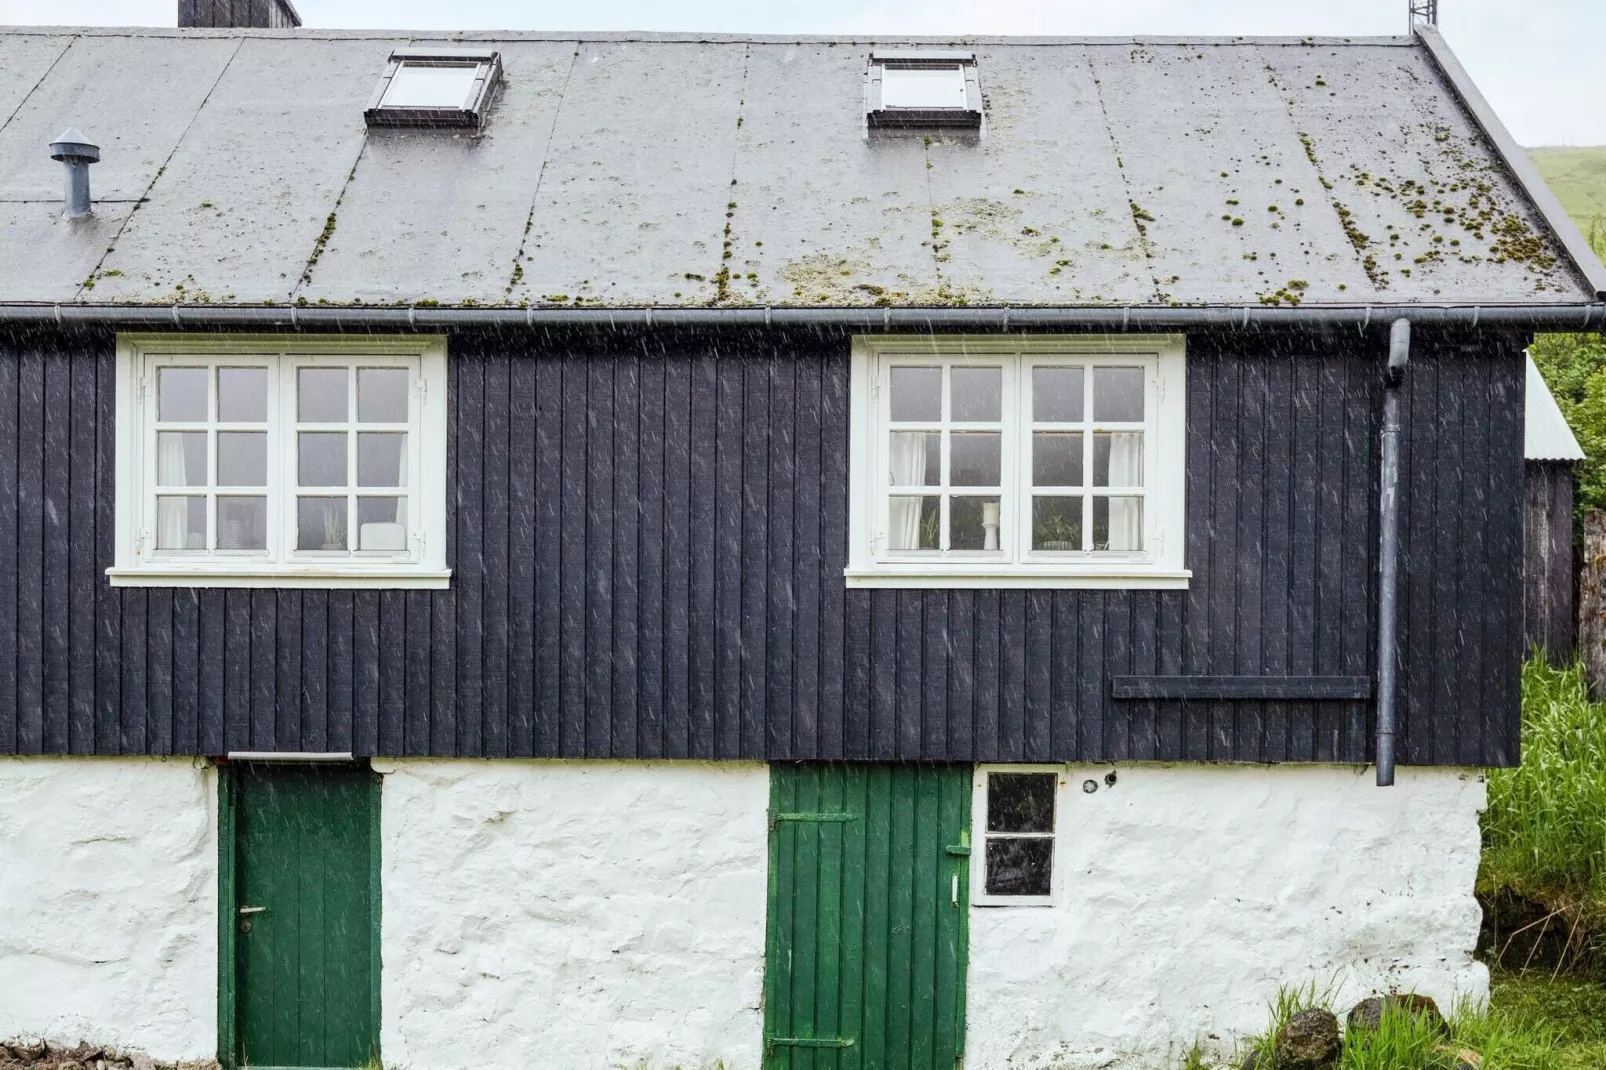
(1546, 436)
(617, 170)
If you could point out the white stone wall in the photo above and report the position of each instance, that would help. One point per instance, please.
(1187, 894)
(574, 915)
(108, 903)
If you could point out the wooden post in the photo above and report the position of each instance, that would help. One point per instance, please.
(1592, 601)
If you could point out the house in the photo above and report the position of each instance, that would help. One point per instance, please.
(540, 550)
(1550, 576)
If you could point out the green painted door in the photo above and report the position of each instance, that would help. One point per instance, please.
(306, 912)
(868, 913)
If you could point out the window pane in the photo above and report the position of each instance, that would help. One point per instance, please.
(1020, 867)
(1020, 802)
(1057, 395)
(417, 86)
(321, 458)
(973, 523)
(903, 87)
(1118, 395)
(1117, 523)
(915, 459)
(242, 523)
(974, 459)
(978, 394)
(321, 524)
(1118, 459)
(242, 459)
(181, 458)
(382, 524)
(180, 523)
(382, 395)
(242, 395)
(321, 396)
(1057, 523)
(917, 394)
(1057, 459)
(381, 460)
(181, 394)
(912, 523)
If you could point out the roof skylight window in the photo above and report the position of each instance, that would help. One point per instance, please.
(922, 88)
(435, 87)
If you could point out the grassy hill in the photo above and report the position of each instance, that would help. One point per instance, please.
(1578, 179)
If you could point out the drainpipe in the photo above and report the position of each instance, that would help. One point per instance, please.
(75, 150)
(1388, 558)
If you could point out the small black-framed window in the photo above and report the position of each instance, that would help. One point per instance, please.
(922, 88)
(435, 87)
(1019, 807)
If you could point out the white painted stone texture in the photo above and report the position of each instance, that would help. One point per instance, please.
(573, 915)
(108, 903)
(1186, 895)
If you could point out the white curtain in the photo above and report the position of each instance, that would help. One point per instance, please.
(173, 513)
(906, 463)
(1126, 470)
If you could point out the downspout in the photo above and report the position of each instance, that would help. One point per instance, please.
(1388, 558)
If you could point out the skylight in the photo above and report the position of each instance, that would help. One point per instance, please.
(443, 87)
(922, 88)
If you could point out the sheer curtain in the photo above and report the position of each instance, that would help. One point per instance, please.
(173, 513)
(906, 468)
(1126, 470)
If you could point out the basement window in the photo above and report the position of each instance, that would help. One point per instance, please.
(435, 87)
(923, 88)
(1016, 807)
(1033, 462)
(261, 464)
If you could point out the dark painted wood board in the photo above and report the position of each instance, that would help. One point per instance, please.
(649, 534)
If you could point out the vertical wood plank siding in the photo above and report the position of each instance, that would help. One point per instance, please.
(648, 535)
(1550, 580)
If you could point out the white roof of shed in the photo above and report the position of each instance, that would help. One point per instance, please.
(1546, 436)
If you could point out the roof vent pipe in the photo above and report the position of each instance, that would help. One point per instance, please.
(1388, 558)
(74, 149)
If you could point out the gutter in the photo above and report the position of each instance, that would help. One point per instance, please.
(1522, 169)
(1569, 317)
(1388, 558)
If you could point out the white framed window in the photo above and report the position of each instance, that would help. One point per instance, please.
(274, 461)
(447, 87)
(1016, 813)
(1027, 462)
(922, 88)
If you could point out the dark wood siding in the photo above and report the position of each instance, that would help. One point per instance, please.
(648, 535)
(1550, 579)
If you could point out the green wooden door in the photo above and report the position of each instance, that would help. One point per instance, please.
(868, 913)
(306, 909)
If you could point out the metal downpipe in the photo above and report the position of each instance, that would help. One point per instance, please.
(1388, 558)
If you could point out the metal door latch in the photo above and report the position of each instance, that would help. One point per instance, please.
(251, 910)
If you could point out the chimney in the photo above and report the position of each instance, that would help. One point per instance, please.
(249, 14)
(75, 150)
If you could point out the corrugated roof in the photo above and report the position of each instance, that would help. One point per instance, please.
(1545, 435)
(620, 170)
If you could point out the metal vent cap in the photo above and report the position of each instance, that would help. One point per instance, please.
(73, 147)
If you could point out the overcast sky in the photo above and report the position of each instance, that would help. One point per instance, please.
(1541, 62)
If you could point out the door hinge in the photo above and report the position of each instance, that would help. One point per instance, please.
(810, 1042)
(777, 816)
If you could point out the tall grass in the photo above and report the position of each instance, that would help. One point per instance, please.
(1545, 829)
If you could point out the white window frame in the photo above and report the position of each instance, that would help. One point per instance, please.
(139, 564)
(979, 896)
(1159, 565)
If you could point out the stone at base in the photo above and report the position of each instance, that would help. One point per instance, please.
(1309, 1041)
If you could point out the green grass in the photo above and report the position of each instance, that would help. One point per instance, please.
(1573, 1012)
(1545, 828)
(1578, 179)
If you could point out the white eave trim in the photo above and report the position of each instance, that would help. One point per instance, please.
(890, 576)
(308, 578)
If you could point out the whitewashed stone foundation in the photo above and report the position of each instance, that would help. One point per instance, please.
(572, 914)
(108, 903)
(1187, 894)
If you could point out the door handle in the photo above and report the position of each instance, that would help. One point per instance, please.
(251, 910)
(956, 889)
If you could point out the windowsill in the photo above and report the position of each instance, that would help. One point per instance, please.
(1011, 900)
(410, 578)
(1111, 577)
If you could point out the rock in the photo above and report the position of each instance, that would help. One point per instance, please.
(1367, 1015)
(70, 1064)
(1252, 1060)
(1309, 1041)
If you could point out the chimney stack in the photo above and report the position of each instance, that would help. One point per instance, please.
(76, 151)
(249, 14)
